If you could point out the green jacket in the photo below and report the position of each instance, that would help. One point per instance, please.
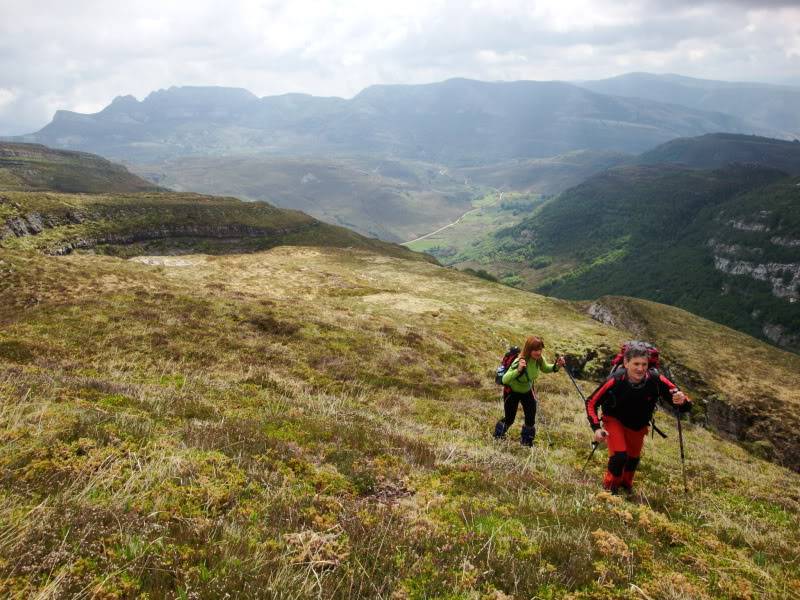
(523, 382)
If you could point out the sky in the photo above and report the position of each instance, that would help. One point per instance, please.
(80, 55)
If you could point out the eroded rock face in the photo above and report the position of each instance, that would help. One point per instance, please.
(784, 277)
(35, 223)
(777, 334)
(785, 242)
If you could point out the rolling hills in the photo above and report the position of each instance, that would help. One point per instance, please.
(718, 150)
(36, 167)
(125, 219)
(719, 242)
(312, 418)
(393, 200)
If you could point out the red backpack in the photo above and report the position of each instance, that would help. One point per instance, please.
(506, 361)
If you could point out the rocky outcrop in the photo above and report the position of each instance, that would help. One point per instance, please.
(618, 313)
(783, 277)
(759, 425)
(167, 232)
(785, 242)
(34, 223)
(778, 335)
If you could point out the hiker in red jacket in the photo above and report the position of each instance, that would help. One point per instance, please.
(628, 399)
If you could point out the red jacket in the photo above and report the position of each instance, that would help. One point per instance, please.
(631, 404)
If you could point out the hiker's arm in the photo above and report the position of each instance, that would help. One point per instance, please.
(512, 372)
(594, 402)
(551, 368)
(678, 399)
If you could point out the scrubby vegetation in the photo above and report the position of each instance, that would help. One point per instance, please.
(311, 423)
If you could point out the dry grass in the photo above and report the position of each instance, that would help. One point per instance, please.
(307, 423)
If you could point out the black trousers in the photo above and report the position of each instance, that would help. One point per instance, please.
(511, 403)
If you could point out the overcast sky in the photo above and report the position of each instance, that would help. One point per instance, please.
(79, 55)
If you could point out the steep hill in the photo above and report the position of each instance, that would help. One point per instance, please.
(36, 167)
(393, 200)
(717, 150)
(314, 423)
(455, 122)
(720, 243)
(769, 108)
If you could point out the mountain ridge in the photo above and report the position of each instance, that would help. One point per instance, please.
(456, 122)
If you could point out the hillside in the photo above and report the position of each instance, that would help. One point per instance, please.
(457, 122)
(694, 236)
(113, 219)
(393, 200)
(771, 109)
(164, 222)
(718, 150)
(36, 167)
(314, 423)
(550, 175)
(720, 243)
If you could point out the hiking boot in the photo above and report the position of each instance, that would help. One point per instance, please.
(500, 430)
(526, 435)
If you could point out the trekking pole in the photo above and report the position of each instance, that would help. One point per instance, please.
(575, 383)
(591, 454)
(683, 459)
(594, 443)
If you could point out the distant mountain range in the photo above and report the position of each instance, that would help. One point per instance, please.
(770, 109)
(457, 122)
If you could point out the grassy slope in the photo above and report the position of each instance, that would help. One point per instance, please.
(306, 423)
(390, 199)
(35, 167)
(172, 222)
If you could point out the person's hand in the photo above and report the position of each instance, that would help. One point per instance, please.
(600, 436)
(521, 365)
(679, 398)
(561, 362)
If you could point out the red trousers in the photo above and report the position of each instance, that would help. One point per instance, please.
(624, 449)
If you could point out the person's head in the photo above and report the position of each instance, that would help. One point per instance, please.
(533, 348)
(635, 361)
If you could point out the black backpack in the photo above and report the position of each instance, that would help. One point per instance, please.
(508, 358)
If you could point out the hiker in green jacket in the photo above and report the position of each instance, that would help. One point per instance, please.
(518, 382)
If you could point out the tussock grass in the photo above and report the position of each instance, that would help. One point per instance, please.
(238, 427)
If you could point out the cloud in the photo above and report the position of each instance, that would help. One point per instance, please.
(80, 55)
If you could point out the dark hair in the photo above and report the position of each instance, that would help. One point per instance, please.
(635, 350)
